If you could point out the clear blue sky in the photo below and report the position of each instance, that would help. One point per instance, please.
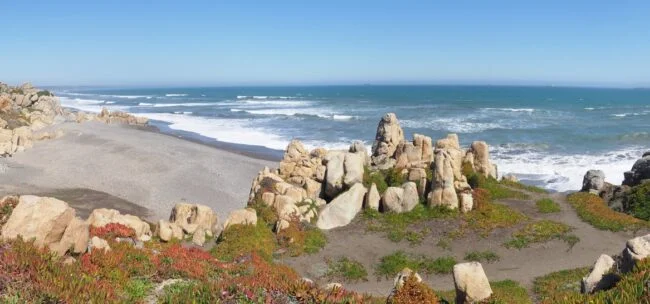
(325, 42)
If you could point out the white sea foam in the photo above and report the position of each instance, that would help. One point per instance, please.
(175, 95)
(269, 102)
(88, 105)
(343, 117)
(454, 125)
(110, 102)
(128, 96)
(187, 104)
(590, 109)
(292, 112)
(563, 172)
(511, 109)
(236, 131)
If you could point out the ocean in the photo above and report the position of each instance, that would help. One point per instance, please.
(547, 136)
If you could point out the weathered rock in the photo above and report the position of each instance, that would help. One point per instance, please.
(246, 216)
(481, 161)
(640, 171)
(471, 283)
(194, 217)
(340, 211)
(419, 177)
(335, 173)
(418, 153)
(21, 139)
(102, 217)
(313, 188)
(372, 198)
(510, 178)
(43, 219)
(332, 286)
(593, 180)
(353, 167)
(389, 135)
(168, 231)
(120, 117)
(636, 249)
(599, 278)
(98, 244)
(442, 185)
(75, 238)
(358, 147)
(268, 198)
(451, 146)
(391, 200)
(466, 202)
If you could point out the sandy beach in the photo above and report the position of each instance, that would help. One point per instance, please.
(145, 173)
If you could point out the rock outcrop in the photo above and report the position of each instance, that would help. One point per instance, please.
(639, 173)
(442, 186)
(372, 198)
(340, 211)
(246, 216)
(197, 221)
(120, 117)
(415, 154)
(478, 156)
(593, 181)
(472, 285)
(102, 217)
(389, 135)
(400, 199)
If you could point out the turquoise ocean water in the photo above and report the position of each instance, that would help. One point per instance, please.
(547, 136)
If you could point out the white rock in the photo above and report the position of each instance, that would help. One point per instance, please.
(597, 279)
(340, 211)
(471, 283)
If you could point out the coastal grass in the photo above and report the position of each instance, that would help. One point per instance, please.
(383, 178)
(563, 287)
(482, 256)
(503, 292)
(520, 186)
(547, 205)
(239, 239)
(638, 201)
(559, 284)
(400, 226)
(393, 263)
(347, 270)
(498, 190)
(137, 289)
(593, 210)
(539, 232)
(489, 217)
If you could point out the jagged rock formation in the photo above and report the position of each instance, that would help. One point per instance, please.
(326, 185)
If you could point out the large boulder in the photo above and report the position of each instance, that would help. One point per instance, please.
(389, 135)
(640, 171)
(442, 185)
(398, 282)
(636, 249)
(246, 216)
(372, 198)
(479, 157)
(451, 146)
(340, 211)
(471, 283)
(194, 218)
(358, 147)
(298, 164)
(353, 166)
(335, 173)
(401, 199)
(74, 239)
(42, 219)
(102, 217)
(599, 278)
(168, 231)
(416, 154)
(594, 180)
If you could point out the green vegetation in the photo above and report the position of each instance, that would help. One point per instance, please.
(503, 292)
(395, 262)
(593, 210)
(444, 243)
(44, 93)
(559, 284)
(383, 178)
(521, 186)
(490, 217)
(243, 239)
(347, 270)
(539, 232)
(637, 201)
(498, 190)
(547, 205)
(137, 289)
(482, 256)
(413, 292)
(399, 226)
(315, 240)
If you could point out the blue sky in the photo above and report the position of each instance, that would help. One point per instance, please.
(325, 42)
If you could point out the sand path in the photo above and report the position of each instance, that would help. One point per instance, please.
(115, 166)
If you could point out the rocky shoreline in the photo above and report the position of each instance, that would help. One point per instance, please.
(309, 192)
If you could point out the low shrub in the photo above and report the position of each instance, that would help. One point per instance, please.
(559, 284)
(490, 217)
(237, 240)
(539, 232)
(503, 292)
(392, 264)
(301, 238)
(637, 201)
(347, 270)
(111, 231)
(374, 177)
(482, 256)
(593, 210)
(413, 292)
(44, 93)
(547, 205)
(398, 226)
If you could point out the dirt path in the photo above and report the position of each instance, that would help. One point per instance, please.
(522, 265)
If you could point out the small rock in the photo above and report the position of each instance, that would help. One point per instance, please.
(471, 283)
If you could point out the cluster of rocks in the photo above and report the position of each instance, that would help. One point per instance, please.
(26, 111)
(616, 196)
(607, 270)
(328, 185)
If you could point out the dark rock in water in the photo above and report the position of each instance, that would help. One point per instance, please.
(639, 172)
(593, 180)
